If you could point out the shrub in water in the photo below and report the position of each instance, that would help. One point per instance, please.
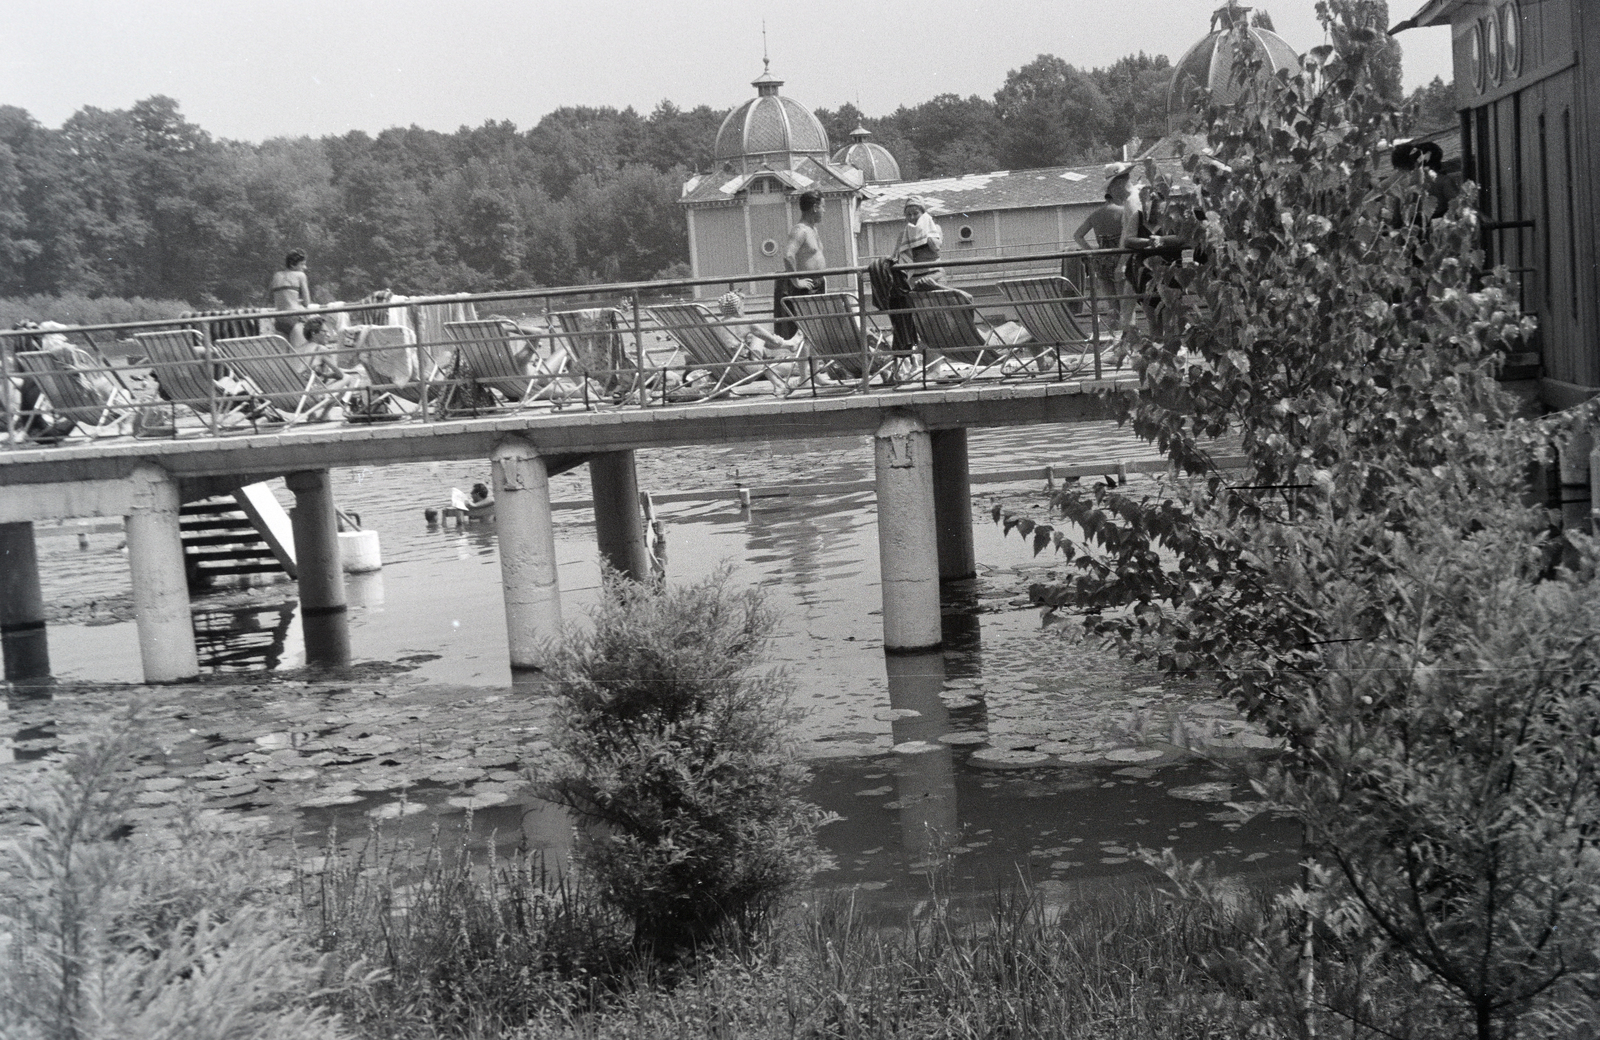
(678, 758)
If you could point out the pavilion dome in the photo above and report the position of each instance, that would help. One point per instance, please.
(1205, 72)
(770, 129)
(877, 166)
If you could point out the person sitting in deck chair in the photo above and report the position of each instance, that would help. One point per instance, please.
(337, 382)
(770, 348)
(45, 428)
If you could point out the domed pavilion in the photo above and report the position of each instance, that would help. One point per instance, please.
(768, 151)
(1205, 72)
(874, 161)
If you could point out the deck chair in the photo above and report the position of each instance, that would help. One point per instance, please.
(596, 349)
(180, 372)
(70, 398)
(273, 367)
(832, 325)
(709, 345)
(947, 322)
(1045, 305)
(486, 357)
(390, 357)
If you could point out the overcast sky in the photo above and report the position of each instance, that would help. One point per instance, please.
(273, 68)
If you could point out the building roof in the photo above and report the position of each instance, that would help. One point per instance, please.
(1434, 12)
(721, 186)
(1005, 189)
(1205, 72)
(769, 127)
(872, 159)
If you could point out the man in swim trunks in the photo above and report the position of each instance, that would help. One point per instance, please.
(802, 254)
(291, 291)
(1105, 223)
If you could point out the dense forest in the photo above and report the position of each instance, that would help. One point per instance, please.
(143, 203)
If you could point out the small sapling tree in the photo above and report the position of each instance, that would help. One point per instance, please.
(1372, 587)
(678, 757)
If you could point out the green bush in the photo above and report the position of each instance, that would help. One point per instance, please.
(77, 309)
(679, 761)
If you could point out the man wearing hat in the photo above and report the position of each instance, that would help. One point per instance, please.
(1105, 223)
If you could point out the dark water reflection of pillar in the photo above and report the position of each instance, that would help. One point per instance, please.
(962, 631)
(924, 780)
(547, 834)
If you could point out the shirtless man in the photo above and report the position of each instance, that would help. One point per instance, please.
(291, 291)
(802, 254)
(1106, 225)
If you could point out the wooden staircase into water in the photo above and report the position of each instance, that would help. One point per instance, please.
(244, 533)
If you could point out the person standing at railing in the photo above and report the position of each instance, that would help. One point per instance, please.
(802, 254)
(1105, 223)
(291, 291)
(921, 241)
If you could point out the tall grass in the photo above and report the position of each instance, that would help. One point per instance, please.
(115, 928)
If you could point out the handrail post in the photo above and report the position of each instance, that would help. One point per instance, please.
(638, 351)
(211, 377)
(861, 330)
(7, 392)
(1094, 313)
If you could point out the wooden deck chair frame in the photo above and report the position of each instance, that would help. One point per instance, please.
(485, 346)
(71, 399)
(267, 363)
(947, 321)
(181, 374)
(609, 364)
(708, 344)
(832, 326)
(1045, 306)
(385, 385)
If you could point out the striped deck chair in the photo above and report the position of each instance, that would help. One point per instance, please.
(180, 372)
(70, 398)
(274, 368)
(709, 345)
(596, 349)
(947, 323)
(1045, 305)
(390, 356)
(832, 324)
(486, 354)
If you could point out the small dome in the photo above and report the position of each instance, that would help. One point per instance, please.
(877, 166)
(770, 129)
(1205, 72)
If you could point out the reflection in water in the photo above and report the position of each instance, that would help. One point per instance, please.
(925, 780)
(802, 535)
(547, 834)
(961, 628)
(364, 590)
(232, 639)
(27, 652)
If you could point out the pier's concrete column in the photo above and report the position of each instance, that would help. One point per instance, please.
(618, 520)
(952, 505)
(908, 551)
(160, 586)
(315, 523)
(22, 633)
(527, 551)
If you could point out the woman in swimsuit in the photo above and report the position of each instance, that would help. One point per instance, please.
(291, 291)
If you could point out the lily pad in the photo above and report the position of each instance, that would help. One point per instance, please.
(1215, 791)
(478, 799)
(1132, 755)
(915, 747)
(964, 738)
(396, 810)
(1002, 758)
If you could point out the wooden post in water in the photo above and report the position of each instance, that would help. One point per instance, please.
(618, 523)
(22, 632)
(316, 550)
(952, 505)
(527, 551)
(160, 586)
(908, 541)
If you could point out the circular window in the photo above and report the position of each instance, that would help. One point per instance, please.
(965, 233)
(769, 247)
(1475, 55)
(1511, 37)
(1491, 47)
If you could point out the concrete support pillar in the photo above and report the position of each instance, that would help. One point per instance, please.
(22, 633)
(952, 505)
(527, 551)
(160, 586)
(908, 551)
(618, 520)
(1574, 461)
(315, 523)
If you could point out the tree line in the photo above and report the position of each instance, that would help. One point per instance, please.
(141, 202)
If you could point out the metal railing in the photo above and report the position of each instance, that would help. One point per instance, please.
(635, 345)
